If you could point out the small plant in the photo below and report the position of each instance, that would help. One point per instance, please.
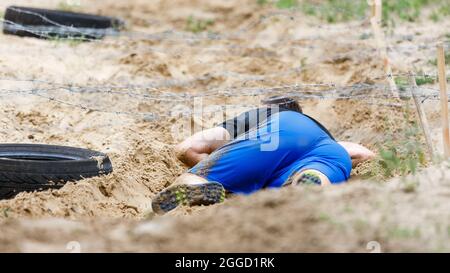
(360, 225)
(421, 80)
(410, 186)
(6, 212)
(327, 218)
(324, 217)
(54, 38)
(447, 59)
(75, 41)
(286, 4)
(400, 153)
(197, 25)
(399, 161)
(434, 16)
(262, 2)
(65, 6)
(365, 36)
(71, 41)
(403, 82)
(348, 209)
(441, 11)
(402, 156)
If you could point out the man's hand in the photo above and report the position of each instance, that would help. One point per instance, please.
(358, 153)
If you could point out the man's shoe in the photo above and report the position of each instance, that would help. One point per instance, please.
(189, 195)
(309, 178)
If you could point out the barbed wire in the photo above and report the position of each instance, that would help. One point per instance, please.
(161, 85)
(173, 34)
(49, 33)
(289, 14)
(368, 93)
(171, 83)
(371, 94)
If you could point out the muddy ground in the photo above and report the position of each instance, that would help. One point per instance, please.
(124, 95)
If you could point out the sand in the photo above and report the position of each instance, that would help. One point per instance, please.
(126, 75)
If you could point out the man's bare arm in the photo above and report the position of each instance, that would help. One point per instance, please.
(358, 153)
(200, 145)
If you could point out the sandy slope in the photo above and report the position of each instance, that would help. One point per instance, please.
(400, 216)
(112, 213)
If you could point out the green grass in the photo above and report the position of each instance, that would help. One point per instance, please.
(360, 225)
(334, 11)
(404, 233)
(441, 12)
(197, 25)
(421, 80)
(403, 82)
(262, 2)
(286, 4)
(406, 10)
(348, 209)
(435, 16)
(411, 10)
(326, 218)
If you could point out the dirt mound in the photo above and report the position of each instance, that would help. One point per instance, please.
(138, 174)
(354, 217)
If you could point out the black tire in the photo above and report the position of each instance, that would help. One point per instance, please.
(45, 23)
(30, 167)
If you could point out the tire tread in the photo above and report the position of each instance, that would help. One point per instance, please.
(13, 178)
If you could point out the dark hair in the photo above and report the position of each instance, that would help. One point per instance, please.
(284, 102)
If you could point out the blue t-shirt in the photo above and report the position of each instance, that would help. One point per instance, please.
(268, 154)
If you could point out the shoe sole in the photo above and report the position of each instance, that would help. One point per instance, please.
(188, 195)
(309, 179)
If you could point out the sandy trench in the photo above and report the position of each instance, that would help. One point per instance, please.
(112, 213)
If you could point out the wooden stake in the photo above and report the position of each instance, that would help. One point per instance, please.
(444, 99)
(375, 21)
(378, 14)
(372, 8)
(375, 8)
(422, 116)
